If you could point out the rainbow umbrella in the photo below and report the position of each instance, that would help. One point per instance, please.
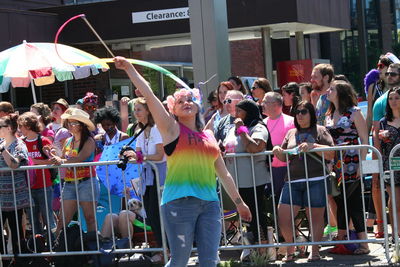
(39, 64)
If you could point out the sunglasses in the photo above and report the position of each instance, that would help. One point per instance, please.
(3, 126)
(302, 111)
(254, 88)
(94, 108)
(380, 66)
(391, 74)
(227, 101)
(73, 123)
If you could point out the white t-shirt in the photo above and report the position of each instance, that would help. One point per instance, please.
(148, 145)
(234, 144)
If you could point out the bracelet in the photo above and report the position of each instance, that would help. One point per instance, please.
(139, 157)
(242, 129)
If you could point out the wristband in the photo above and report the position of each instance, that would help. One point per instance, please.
(139, 157)
(242, 129)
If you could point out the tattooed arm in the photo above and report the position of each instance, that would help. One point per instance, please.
(11, 161)
(230, 188)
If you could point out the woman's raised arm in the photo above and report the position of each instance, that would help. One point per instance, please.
(165, 122)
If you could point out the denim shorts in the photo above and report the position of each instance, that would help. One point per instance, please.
(84, 189)
(300, 195)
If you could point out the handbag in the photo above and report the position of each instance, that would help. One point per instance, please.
(333, 187)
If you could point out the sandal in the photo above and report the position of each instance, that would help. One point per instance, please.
(361, 251)
(379, 235)
(157, 258)
(289, 258)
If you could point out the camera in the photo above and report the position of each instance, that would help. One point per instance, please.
(123, 159)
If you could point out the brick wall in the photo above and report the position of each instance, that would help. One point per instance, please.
(247, 58)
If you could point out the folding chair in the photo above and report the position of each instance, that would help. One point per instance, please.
(230, 216)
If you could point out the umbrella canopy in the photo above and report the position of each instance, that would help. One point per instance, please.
(40, 63)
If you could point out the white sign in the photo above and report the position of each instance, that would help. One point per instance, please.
(124, 90)
(160, 15)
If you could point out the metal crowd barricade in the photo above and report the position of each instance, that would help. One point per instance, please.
(274, 242)
(394, 165)
(50, 251)
(365, 167)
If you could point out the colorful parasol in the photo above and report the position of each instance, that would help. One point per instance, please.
(40, 63)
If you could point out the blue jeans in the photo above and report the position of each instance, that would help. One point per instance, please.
(39, 208)
(191, 219)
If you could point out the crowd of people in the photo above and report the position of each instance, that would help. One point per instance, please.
(188, 146)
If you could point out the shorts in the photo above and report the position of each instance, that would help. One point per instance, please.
(300, 195)
(84, 189)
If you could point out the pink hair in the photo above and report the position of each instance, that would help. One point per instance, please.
(194, 93)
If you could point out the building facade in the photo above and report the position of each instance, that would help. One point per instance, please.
(326, 30)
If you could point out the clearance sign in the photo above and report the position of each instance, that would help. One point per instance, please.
(160, 15)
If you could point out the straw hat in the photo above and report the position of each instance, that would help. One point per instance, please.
(61, 102)
(79, 115)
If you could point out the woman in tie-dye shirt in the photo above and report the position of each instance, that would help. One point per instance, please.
(189, 205)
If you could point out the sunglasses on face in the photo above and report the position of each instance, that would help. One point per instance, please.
(301, 111)
(391, 74)
(380, 66)
(73, 123)
(227, 101)
(88, 108)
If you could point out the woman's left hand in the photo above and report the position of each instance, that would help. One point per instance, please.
(56, 160)
(305, 147)
(238, 122)
(244, 212)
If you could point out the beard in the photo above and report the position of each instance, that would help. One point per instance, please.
(317, 86)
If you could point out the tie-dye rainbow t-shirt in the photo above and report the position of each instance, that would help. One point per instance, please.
(191, 170)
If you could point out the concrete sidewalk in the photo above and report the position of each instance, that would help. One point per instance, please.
(375, 258)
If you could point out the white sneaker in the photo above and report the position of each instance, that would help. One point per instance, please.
(245, 256)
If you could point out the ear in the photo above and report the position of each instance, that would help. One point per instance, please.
(326, 79)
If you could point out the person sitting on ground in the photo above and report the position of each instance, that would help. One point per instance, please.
(126, 223)
(299, 184)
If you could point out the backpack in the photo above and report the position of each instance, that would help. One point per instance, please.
(53, 172)
(269, 147)
(73, 234)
